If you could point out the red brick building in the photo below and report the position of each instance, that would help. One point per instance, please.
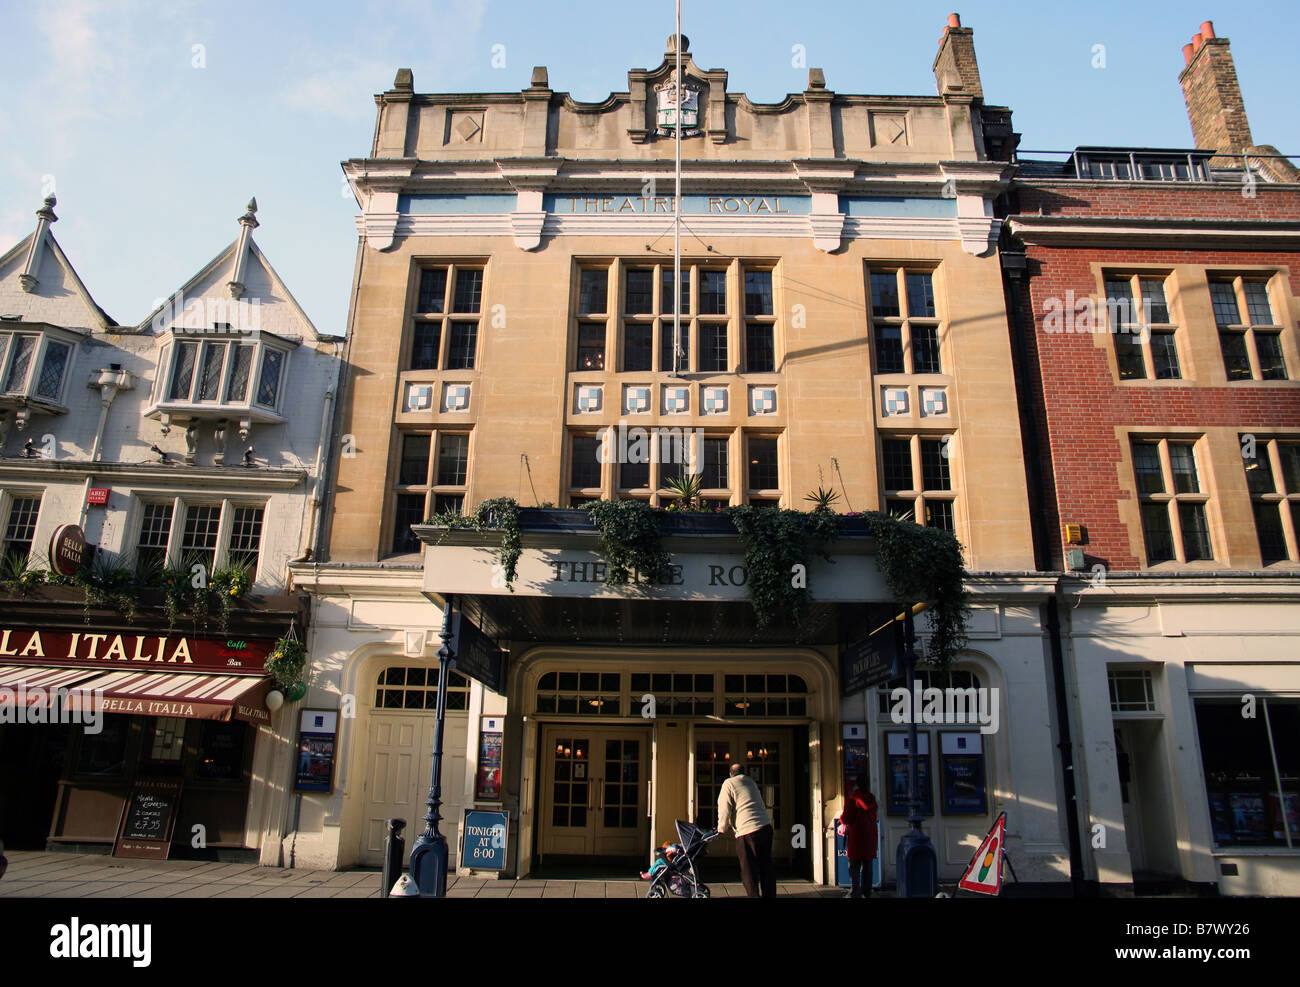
(1155, 298)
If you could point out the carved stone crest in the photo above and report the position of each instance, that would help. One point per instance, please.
(671, 95)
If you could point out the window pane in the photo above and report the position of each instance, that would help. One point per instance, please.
(183, 371)
(1268, 524)
(155, 530)
(433, 290)
(1164, 355)
(19, 363)
(199, 539)
(1259, 471)
(934, 466)
(585, 471)
(469, 291)
(1196, 535)
(593, 288)
(1146, 466)
(268, 389)
(1239, 778)
(715, 475)
(1183, 462)
(1158, 533)
(1154, 309)
(222, 749)
(1235, 360)
(591, 346)
(424, 345)
(896, 457)
(713, 347)
(1119, 303)
(414, 469)
(1225, 303)
(884, 295)
(925, 349)
(461, 345)
(760, 348)
(453, 458)
(1257, 306)
(1289, 453)
(920, 296)
(633, 476)
(763, 472)
(938, 514)
(210, 379)
(21, 528)
(713, 292)
(666, 298)
(104, 753)
(889, 349)
(448, 503)
(55, 362)
(637, 347)
(246, 536)
(758, 292)
(683, 361)
(1128, 356)
(409, 511)
(1269, 347)
(237, 383)
(639, 294)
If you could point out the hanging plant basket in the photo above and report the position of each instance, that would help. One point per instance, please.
(286, 662)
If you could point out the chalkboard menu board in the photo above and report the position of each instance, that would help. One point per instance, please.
(148, 818)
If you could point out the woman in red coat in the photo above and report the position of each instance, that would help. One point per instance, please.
(859, 818)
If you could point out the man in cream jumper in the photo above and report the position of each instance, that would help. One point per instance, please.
(741, 810)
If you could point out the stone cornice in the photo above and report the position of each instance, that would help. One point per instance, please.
(1243, 234)
(204, 478)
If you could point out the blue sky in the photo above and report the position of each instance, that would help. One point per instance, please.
(153, 158)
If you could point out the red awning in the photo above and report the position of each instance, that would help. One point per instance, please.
(199, 697)
(36, 686)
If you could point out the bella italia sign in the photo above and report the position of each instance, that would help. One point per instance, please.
(145, 652)
(695, 205)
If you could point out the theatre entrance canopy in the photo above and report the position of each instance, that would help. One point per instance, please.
(561, 592)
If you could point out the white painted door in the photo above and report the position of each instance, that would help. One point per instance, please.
(400, 754)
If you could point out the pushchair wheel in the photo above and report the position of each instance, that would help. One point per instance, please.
(702, 891)
(657, 891)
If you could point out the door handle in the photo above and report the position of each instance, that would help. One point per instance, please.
(600, 794)
(649, 797)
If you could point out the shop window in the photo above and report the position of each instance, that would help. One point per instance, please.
(416, 688)
(103, 754)
(1252, 346)
(438, 341)
(580, 693)
(1144, 335)
(221, 751)
(904, 322)
(166, 739)
(1252, 771)
(916, 473)
(1273, 479)
(1131, 691)
(1172, 503)
(20, 528)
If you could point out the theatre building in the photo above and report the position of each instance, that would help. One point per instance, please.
(1155, 292)
(842, 324)
(136, 459)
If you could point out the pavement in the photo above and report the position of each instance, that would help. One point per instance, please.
(39, 874)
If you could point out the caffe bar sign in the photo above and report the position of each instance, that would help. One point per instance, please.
(146, 652)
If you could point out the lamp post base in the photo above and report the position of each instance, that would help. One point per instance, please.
(429, 866)
(917, 866)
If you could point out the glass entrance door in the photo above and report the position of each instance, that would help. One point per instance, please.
(766, 754)
(593, 796)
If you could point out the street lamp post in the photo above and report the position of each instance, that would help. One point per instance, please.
(429, 854)
(916, 865)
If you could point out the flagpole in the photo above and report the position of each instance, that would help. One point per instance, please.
(677, 200)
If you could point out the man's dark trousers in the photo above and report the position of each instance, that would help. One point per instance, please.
(755, 853)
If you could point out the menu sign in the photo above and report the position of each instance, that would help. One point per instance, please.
(148, 818)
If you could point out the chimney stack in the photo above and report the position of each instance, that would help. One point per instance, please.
(955, 68)
(1214, 103)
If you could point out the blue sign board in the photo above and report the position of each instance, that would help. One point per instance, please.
(483, 839)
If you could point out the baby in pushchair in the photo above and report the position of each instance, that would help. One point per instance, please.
(673, 870)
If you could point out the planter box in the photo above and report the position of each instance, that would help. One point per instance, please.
(553, 518)
(697, 523)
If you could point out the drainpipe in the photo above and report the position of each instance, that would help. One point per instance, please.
(1013, 269)
(109, 382)
(318, 488)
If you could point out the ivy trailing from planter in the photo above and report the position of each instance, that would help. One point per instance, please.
(497, 513)
(629, 533)
(230, 584)
(286, 662)
(925, 565)
(774, 543)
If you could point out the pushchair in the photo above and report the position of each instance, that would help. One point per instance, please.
(678, 876)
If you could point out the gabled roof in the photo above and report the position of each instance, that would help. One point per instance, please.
(99, 319)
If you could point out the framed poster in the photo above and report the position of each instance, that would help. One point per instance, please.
(317, 741)
(148, 818)
(487, 784)
(855, 753)
(896, 773)
(961, 766)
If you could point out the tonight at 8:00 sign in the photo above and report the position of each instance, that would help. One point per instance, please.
(483, 839)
